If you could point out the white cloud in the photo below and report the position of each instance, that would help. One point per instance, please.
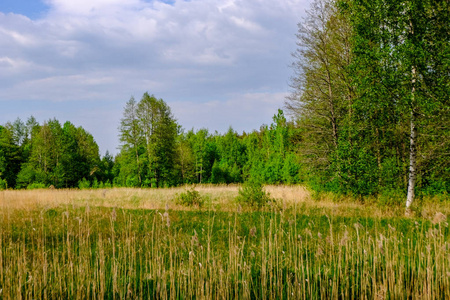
(215, 55)
(8, 64)
(91, 7)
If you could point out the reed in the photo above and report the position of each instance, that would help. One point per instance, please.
(80, 249)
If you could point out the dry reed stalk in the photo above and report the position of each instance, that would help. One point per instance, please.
(221, 197)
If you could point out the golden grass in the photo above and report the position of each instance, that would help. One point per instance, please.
(290, 251)
(219, 197)
(132, 198)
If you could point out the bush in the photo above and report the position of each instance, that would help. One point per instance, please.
(36, 185)
(190, 198)
(84, 184)
(95, 184)
(3, 184)
(252, 194)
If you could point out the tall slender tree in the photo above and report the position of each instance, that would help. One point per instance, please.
(322, 90)
(131, 133)
(160, 131)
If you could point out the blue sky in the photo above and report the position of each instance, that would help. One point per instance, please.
(217, 63)
(31, 8)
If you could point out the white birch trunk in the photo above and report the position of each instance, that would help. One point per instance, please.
(412, 163)
(412, 147)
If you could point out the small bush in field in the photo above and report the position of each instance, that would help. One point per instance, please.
(190, 198)
(84, 184)
(252, 194)
(36, 185)
(3, 184)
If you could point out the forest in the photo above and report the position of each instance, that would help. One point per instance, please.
(368, 115)
(154, 154)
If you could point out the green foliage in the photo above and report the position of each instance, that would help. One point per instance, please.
(96, 184)
(148, 133)
(252, 194)
(439, 186)
(26, 176)
(52, 155)
(10, 154)
(369, 74)
(155, 152)
(84, 184)
(394, 197)
(3, 184)
(401, 77)
(36, 185)
(190, 197)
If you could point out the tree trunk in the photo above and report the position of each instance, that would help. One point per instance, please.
(412, 163)
(412, 147)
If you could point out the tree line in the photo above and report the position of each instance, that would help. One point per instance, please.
(155, 152)
(369, 116)
(39, 155)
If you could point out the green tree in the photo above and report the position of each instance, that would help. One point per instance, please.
(131, 134)
(59, 156)
(160, 131)
(42, 157)
(232, 156)
(271, 153)
(184, 159)
(106, 173)
(80, 158)
(322, 89)
(401, 70)
(148, 133)
(204, 149)
(10, 155)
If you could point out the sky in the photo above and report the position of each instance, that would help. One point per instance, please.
(216, 63)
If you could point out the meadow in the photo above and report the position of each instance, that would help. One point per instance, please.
(143, 244)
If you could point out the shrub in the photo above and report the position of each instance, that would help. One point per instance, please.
(3, 184)
(190, 198)
(95, 184)
(84, 184)
(36, 185)
(252, 194)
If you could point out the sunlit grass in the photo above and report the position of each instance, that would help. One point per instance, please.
(84, 244)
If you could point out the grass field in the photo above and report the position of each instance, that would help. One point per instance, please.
(138, 243)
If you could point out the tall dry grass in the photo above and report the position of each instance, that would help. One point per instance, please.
(86, 244)
(220, 198)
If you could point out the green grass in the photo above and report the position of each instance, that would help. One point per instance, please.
(296, 253)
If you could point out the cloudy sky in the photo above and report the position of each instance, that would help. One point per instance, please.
(217, 63)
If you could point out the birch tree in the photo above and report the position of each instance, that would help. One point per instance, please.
(402, 69)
